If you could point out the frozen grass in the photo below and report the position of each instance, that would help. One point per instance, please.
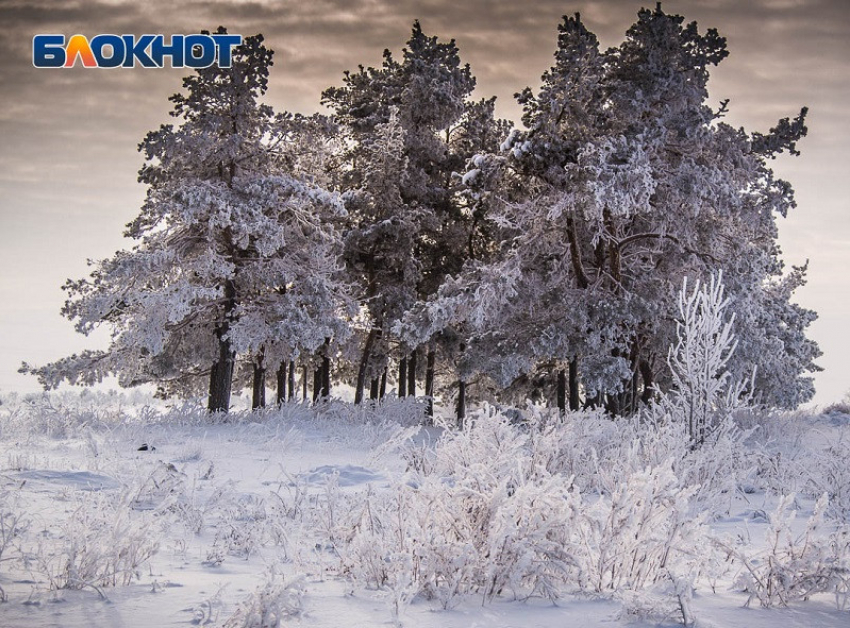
(274, 517)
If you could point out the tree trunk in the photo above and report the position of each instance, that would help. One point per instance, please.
(317, 384)
(461, 402)
(326, 376)
(364, 364)
(292, 379)
(374, 388)
(221, 375)
(429, 380)
(648, 381)
(573, 374)
(304, 383)
(281, 383)
(221, 378)
(562, 390)
(411, 374)
(402, 377)
(258, 399)
(575, 255)
(461, 394)
(383, 391)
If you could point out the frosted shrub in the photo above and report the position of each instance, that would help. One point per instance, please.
(601, 453)
(794, 567)
(273, 603)
(444, 539)
(102, 544)
(61, 414)
(161, 489)
(716, 470)
(691, 428)
(195, 513)
(633, 539)
(13, 524)
(485, 516)
(828, 473)
(480, 520)
(798, 452)
(244, 526)
(703, 393)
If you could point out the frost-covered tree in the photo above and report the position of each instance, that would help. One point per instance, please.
(296, 306)
(234, 255)
(703, 390)
(623, 182)
(411, 127)
(380, 243)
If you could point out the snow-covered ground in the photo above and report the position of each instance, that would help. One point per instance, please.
(122, 515)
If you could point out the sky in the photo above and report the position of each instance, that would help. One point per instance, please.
(68, 138)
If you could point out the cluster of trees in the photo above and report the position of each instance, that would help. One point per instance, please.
(412, 236)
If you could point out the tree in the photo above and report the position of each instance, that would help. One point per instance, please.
(411, 127)
(234, 253)
(702, 388)
(622, 183)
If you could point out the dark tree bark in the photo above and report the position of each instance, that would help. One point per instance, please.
(221, 379)
(221, 374)
(562, 390)
(317, 384)
(258, 398)
(326, 377)
(364, 364)
(648, 381)
(292, 379)
(304, 383)
(461, 394)
(575, 255)
(411, 374)
(573, 375)
(402, 377)
(461, 402)
(374, 388)
(429, 380)
(281, 383)
(383, 391)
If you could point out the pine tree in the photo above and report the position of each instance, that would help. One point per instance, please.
(411, 127)
(623, 182)
(233, 251)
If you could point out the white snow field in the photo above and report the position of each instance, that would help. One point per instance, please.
(129, 514)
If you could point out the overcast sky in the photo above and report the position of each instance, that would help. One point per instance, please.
(68, 138)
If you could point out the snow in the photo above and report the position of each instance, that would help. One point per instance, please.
(230, 503)
(469, 177)
(79, 480)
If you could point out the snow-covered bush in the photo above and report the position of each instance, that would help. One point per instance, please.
(479, 519)
(703, 393)
(600, 454)
(639, 534)
(794, 567)
(449, 537)
(271, 604)
(102, 543)
(840, 407)
(802, 453)
(829, 473)
(61, 414)
(244, 525)
(485, 515)
(13, 523)
(160, 490)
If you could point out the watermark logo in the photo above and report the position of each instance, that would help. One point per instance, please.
(129, 51)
